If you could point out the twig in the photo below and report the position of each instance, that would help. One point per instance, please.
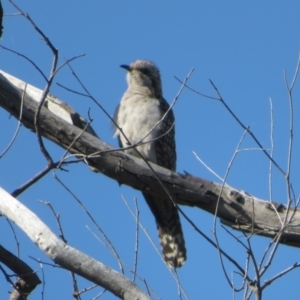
(216, 210)
(271, 280)
(142, 227)
(196, 92)
(57, 217)
(70, 146)
(272, 149)
(19, 124)
(48, 85)
(136, 248)
(43, 97)
(15, 236)
(30, 182)
(236, 238)
(258, 289)
(286, 220)
(208, 168)
(94, 222)
(28, 59)
(171, 105)
(210, 241)
(245, 128)
(44, 279)
(72, 91)
(87, 289)
(96, 154)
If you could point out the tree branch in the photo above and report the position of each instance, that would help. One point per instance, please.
(66, 256)
(236, 208)
(28, 279)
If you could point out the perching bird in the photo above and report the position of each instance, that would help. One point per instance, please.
(139, 113)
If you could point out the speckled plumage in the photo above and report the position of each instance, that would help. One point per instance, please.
(138, 115)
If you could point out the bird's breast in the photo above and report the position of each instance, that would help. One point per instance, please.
(139, 118)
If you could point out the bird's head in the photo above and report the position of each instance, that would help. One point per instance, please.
(144, 73)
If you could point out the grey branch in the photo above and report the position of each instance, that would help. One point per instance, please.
(236, 208)
(64, 255)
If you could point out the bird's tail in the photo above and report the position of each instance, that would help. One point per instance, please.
(169, 230)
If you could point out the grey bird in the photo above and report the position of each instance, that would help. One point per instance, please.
(141, 116)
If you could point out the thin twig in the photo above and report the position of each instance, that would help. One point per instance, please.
(33, 180)
(258, 289)
(94, 222)
(15, 236)
(62, 236)
(48, 85)
(217, 205)
(290, 146)
(34, 26)
(246, 284)
(271, 280)
(136, 248)
(19, 124)
(7, 277)
(142, 227)
(272, 148)
(208, 168)
(196, 92)
(57, 218)
(287, 219)
(87, 289)
(236, 238)
(70, 146)
(72, 90)
(245, 128)
(171, 105)
(151, 241)
(28, 59)
(43, 281)
(46, 263)
(210, 241)
(98, 153)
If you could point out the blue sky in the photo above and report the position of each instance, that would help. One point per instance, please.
(242, 46)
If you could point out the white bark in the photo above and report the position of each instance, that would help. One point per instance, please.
(63, 254)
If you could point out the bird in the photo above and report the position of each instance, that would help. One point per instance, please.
(144, 117)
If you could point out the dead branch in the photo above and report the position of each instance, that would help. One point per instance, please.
(64, 255)
(236, 208)
(28, 279)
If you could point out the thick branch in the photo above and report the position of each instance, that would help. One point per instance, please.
(64, 255)
(236, 208)
(28, 279)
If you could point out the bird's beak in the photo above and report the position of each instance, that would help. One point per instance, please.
(126, 67)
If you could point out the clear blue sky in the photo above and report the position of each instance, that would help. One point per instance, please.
(243, 46)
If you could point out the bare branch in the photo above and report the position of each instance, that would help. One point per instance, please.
(28, 280)
(280, 274)
(235, 208)
(64, 255)
(220, 98)
(272, 148)
(28, 59)
(216, 213)
(111, 246)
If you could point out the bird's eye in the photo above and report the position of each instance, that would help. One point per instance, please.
(144, 71)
